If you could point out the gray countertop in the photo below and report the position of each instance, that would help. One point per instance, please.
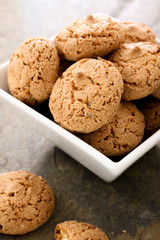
(132, 202)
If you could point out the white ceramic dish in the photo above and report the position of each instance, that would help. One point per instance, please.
(89, 157)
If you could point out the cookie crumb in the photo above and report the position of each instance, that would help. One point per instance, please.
(136, 50)
(90, 17)
(79, 74)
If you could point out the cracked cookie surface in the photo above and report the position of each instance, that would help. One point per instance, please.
(73, 230)
(137, 32)
(89, 37)
(139, 64)
(26, 202)
(87, 95)
(32, 70)
(122, 134)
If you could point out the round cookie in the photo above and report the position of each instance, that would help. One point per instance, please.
(32, 70)
(87, 95)
(122, 134)
(26, 202)
(151, 112)
(78, 231)
(139, 64)
(89, 37)
(137, 32)
(156, 93)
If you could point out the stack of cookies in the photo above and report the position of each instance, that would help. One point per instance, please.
(105, 67)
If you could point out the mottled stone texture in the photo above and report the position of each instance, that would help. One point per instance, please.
(130, 203)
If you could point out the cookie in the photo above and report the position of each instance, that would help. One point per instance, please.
(89, 37)
(32, 71)
(156, 93)
(137, 32)
(139, 64)
(73, 230)
(151, 111)
(87, 95)
(122, 134)
(26, 202)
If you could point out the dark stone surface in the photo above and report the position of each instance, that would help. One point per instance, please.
(130, 203)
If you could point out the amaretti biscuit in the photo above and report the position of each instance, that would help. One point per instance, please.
(137, 32)
(26, 202)
(151, 111)
(87, 95)
(156, 93)
(122, 134)
(73, 230)
(139, 64)
(32, 70)
(89, 37)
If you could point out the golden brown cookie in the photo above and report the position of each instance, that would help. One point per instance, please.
(151, 112)
(139, 64)
(26, 202)
(89, 37)
(87, 95)
(137, 32)
(156, 93)
(73, 230)
(122, 134)
(32, 70)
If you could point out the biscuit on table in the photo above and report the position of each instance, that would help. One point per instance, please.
(89, 37)
(32, 70)
(87, 95)
(139, 64)
(122, 134)
(151, 112)
(137, 32)
(26, 202)
(73, 230)
(156, 93)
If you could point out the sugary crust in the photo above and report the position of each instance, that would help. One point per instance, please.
(122, 134)
(139, 64)
(137, 32)
(87, 95)
(73, 230)
(89, 37)
(32, 70)
(26, 202)
(156, 93)
(151, 111)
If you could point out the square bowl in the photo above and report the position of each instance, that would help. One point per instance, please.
(102, 166)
